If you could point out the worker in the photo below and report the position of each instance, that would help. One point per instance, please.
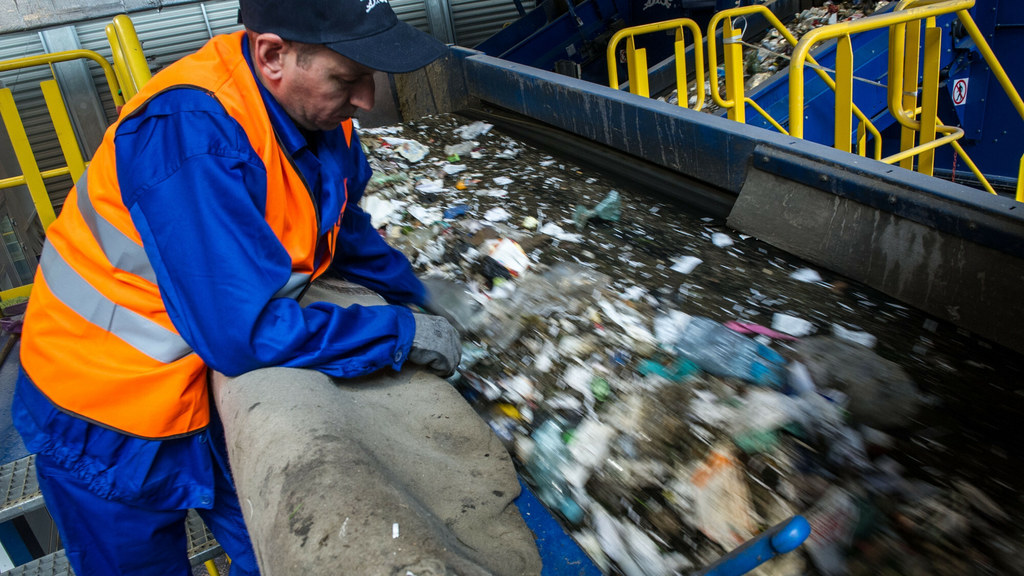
(225, 187)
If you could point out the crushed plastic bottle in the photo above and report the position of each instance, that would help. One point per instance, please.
(545, 466)
(723, 352)
(609, 209)
(452, 300)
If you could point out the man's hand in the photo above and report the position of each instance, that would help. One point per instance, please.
(436, 345)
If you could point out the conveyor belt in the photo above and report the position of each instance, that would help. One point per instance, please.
(630, 171)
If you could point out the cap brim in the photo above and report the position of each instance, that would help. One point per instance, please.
(401, 48)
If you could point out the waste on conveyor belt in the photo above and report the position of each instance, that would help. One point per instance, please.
(671, 387)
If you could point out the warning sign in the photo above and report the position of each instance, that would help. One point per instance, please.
(959, 91)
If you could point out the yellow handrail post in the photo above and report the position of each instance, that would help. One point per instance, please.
(65, 132)
(725, 17)
(733, 54)
(134, 59)
(26, 159)
(120, 69)
(1020, 181)
(844, 94)
(698, 64)
(682, 74)
(636, 59)
(930, 98)
(636, 64)
(796, 87)
(911, 58)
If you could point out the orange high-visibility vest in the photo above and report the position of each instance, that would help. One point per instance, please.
(97, 339)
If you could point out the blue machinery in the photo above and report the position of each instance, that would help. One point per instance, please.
(570, 40)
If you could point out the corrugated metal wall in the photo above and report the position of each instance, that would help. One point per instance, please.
(175, 31)
(15, 203)
(166, 36)
(24, 84)
(476, 20)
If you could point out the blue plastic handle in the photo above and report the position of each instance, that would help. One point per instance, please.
(784, 537)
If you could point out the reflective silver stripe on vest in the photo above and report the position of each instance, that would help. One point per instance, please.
(76, 293)
(294, 287)
(122, 252)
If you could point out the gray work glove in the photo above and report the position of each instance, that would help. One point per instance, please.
(436, 345)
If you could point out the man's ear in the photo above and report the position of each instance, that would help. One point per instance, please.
(268, 56)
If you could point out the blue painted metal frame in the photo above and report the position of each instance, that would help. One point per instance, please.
(871, 62)
(559, 553)
(782, 538)
(540, 41)
(719, 152)
(994, 130)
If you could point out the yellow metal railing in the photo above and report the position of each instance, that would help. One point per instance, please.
(735, 100)
(129, 61)
(134, 72)
(921, 125)
(911, 72)
(636, 59)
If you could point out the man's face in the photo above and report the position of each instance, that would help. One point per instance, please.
(321, 88)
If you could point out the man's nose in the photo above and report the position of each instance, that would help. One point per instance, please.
(362, 93)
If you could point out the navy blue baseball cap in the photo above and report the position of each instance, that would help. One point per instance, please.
(366, 31)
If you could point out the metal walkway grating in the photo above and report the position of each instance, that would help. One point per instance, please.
(201, 544)
(55, 564)
(18, 488)
(20, 492)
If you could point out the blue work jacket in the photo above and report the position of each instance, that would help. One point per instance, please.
(180, 156)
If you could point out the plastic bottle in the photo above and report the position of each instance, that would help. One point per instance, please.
(722, 352)
(450, 299)
(609, 209)
(546, 466)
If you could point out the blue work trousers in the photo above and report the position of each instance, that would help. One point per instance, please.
(108, 538)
